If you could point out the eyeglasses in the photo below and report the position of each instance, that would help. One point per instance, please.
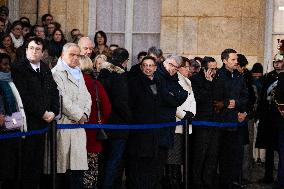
(37, 49)
(176, 67)
(148, 65)
(18, 28)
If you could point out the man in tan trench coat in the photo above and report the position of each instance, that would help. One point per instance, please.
(71, 143)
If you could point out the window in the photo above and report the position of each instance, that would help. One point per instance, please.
(132, 24)
(274, 30)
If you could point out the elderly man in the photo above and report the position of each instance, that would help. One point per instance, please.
(86, 46)
(76, 107)
(39, 94)
(172, 95)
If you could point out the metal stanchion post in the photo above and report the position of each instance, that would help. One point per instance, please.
(186, 154)
(53, 153)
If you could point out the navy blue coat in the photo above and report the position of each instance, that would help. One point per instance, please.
(228, 86)
(171, 96)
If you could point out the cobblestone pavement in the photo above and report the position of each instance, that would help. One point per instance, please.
(258, 172)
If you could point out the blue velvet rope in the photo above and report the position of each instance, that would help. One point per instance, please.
(113, 126)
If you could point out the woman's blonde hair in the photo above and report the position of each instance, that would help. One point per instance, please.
(86, 64)
(102, 56)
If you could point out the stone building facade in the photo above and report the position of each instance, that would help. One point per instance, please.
(187, 27)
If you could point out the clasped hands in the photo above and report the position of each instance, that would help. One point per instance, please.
(48, 116)
(219, 105)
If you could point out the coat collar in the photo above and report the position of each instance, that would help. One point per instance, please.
(184, 82)
(27, 64)
(112, 68)
(60, 67)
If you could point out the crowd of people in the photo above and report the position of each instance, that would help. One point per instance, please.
(44, 78)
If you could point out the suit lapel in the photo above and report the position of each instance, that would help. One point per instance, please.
(72, 79)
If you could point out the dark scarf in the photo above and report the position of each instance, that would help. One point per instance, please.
(8, 98)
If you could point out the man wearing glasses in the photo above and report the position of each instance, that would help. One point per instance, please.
(40, 97)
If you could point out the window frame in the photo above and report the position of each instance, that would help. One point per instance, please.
(128, 31)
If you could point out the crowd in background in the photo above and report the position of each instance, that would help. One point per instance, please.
(39, 66)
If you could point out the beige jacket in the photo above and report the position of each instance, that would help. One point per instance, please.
(71, 143)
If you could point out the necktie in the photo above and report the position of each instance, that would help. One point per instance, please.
(37, 70)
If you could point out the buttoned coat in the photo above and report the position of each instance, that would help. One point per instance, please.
(71, 143)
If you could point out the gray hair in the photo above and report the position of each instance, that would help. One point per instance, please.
(177, 58)
(69, 45)
(155, 51)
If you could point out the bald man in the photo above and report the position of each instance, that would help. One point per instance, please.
(86, 46)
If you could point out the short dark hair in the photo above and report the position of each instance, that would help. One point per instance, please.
(16, 23)
(193, 63)
(149, 58)
(43, 18)
(119, 55)
(25, 18)
(184, 61)
(75, 29)
(103, 34)
(4, 55)
(242, 60)
(28, 35)
(142, 53)
(4, 10)
(206, 60)
(226, 53)
(257, 68)
(26, 25)
(37, 40)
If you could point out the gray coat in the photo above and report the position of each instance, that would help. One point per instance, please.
(71, 143)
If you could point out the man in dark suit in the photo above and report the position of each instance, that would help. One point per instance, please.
(154, 98)
(40, 97)
(230, 98)
(279, 100)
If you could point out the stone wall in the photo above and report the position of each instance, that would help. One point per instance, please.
(188, 27)
(70, 14)
(207, 27)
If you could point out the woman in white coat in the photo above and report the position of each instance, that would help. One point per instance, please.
(188, 108)
(76, 107)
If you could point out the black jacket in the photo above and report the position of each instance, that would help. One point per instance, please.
(114, 80)
(279, 97)
(38, 92)
(228, 86)
(144, 107)
(268, 115)
(134, 71)
(171, 96)
(203, 93)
